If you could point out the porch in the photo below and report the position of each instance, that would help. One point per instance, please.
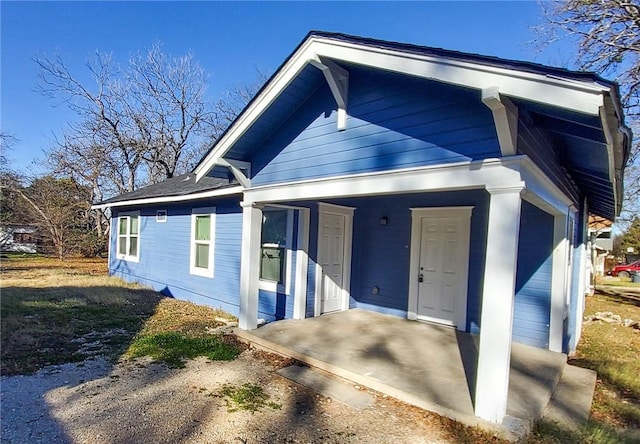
(430, 366)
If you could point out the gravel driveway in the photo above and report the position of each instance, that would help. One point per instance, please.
(145, 402)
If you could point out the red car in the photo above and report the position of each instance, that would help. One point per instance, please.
(625, 270)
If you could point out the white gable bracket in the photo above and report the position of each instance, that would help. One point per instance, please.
(236, 167)
(338, 79)
(505, 116)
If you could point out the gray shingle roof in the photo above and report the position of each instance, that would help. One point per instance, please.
(176, 186)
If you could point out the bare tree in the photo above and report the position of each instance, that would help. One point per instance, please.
(6, 143)
(58, 207)
(137, 126)
(607, 35)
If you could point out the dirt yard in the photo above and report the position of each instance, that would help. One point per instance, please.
(145, 402)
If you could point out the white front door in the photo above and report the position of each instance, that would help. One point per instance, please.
(334, 247)
(440, 262)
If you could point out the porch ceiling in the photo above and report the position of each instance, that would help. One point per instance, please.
(581, 144)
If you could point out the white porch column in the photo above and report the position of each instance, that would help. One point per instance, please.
(498, 294)
(558, 282)
(250, 266)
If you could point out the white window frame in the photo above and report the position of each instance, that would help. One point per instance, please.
(161, 216)
(285, 286)
(128, 215)
(199, 271)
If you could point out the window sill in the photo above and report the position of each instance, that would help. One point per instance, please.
(272, 287)
(202, 272)
(123, 257)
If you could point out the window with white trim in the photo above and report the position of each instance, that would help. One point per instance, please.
(275, 249)
(203, 225)
(161, 216)
(128, 244)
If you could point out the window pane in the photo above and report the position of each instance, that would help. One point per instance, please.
(133, 246)
(122, 224)
(202, 255)
(134, 225)
(274, 227)
(272, 264)
(122, 245)
(203, 227)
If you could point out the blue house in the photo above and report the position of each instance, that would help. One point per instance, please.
(423, 183)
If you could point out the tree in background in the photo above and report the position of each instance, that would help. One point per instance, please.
(59, 208)
(607, 35)
(631, 238)
(137, 126)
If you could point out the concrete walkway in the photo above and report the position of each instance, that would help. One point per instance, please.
(429, 366)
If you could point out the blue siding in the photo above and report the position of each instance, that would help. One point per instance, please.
(381, 254)
(533, 278)
(394, 122)
(164, 255)
(576, 299)
(536, 144)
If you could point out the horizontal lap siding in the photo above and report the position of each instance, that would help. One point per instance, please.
(381, 253)
(533, 278)
(165, 250)
(535, 143)
(393, 122)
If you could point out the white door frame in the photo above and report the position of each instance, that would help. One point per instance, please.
(347, 212)
(416, 234)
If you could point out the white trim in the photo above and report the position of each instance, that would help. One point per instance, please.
(284, 287)
(200, 271)
(249, 267)
(235, 170)
(302, 264)
(498, 298)
(505, 117)
(585, 97)
(152, 200)
(338, 80)
(463, 212)
(161, 216)
(454, 176)
(347, 212)
(558, 282)
(128, 215)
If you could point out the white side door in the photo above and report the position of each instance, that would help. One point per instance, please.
(334, 258)
(440, 257)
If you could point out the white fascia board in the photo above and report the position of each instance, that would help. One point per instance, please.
(585, 97)
(541, 191)
(494, 173)
(171, 199)
(270, 93)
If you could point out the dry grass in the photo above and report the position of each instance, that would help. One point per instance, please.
(54, 312)
(613, 351)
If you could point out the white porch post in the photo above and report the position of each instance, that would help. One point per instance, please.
(496, 318)
(249, 267)
(558, 282)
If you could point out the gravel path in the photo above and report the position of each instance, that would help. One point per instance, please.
(145, 402)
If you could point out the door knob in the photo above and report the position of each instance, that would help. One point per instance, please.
(421, 277)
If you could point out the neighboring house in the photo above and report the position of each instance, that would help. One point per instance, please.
(599, 232)
(19, 238)
(418, 182)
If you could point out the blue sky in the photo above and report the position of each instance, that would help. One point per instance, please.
(229, 39)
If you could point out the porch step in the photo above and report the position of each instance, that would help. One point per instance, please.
(327, 386)
(570, 404)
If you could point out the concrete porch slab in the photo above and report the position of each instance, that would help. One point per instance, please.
(327, 386)
(426, 365)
